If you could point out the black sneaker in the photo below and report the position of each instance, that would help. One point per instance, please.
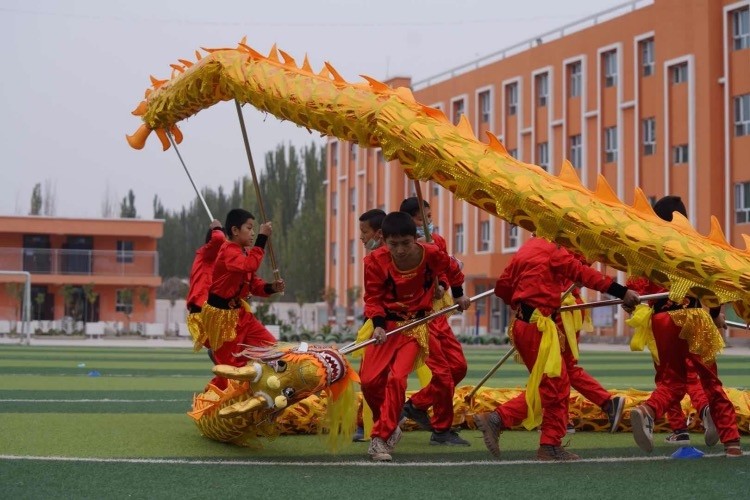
(571, 429)
(419, 416)
(614, 412)
(678, 438)
(359, 435)
(450, 438)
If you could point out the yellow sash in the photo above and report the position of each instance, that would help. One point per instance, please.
(572, 323)
(643, 336)
(548, 362)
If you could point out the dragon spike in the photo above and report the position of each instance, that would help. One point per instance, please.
(405, 94)
(306, 65)
(185, 62)
(162, 135)
(198, 55)
(140, 110)
(324, 73)
(273, 55)
(237, 409)
(177, 67)
(464, 128)
(147, 93)
(244, 40)
(604, 191)
(177, 133)
(568, 174)
(253, 53)
(138, 139)
(376, 85)
(435, 113)
(495, 144)
(716, 234)
(288, 60)
(336, 76)
(682, 222)
(155, 82)
(746, 239)
(211, 51)
(641, 203)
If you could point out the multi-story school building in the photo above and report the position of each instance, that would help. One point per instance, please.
(653, 94)
(83, 270)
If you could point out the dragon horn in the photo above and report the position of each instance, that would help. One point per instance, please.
(249, 373)
(237, 409)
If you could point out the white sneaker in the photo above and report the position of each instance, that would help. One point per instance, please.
(379, 450)
(394, 439)
(643, 428)
(711, 435)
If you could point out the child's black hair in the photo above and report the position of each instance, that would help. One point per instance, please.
(411, 206)
(236, 218)
(668, 204)
(374, 218)
(398, 224)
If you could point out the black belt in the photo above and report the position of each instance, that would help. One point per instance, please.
(193, 309)
(392, 316)
(524, 312)
(663, 305)
(222, 303)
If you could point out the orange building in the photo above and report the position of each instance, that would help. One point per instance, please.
(651, 94)
(90, 270)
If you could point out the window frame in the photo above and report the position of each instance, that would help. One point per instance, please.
(741, 40)
(741, 115)
(648, 131)
(542, 152)
(458, 238)
(680, 154)
(575, 79)
(125, 255)
(610, 144)
(484, 236)
(610, 68)
(647, 57)
(742, 202)
(512, 98)
(542, 89)
(576, 150)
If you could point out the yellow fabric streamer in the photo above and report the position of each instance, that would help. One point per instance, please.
(572, 322)
(195, 327)
(219, 325)
(548, 362)
(700, 332)
(644, 335)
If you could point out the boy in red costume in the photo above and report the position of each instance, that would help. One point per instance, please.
(227, 320)
(200, 281)
(450, 351)
(673, 326)
(532, 285)
(399, 288)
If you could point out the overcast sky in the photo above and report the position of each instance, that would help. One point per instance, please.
(73, 71)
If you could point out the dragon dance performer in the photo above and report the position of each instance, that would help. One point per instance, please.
(200, 282)
(449, 351)
(532, 285)
(680, 435)
(399, 287)
(228, 323)
(680, 332)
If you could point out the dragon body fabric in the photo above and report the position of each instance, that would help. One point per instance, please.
(274, 379)
(630, 238)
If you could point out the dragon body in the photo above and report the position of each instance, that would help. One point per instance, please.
(630, 238)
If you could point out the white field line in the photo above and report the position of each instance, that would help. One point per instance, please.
(353, 463)
(91, 400)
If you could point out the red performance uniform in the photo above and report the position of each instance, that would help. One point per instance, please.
(450, 352)
(234, 279)
(202, 270)
(532, 280)
(698, 399)
(674, 353)
(391, 297)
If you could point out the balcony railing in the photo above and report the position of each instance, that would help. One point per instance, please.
(80, 262)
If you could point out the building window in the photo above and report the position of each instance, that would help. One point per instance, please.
(610, 144)
(435, 189)
(542, 155)
(485, 106)
(124, 301)
(576, 151)
(513, 152)
(575, 79)
(352, 251)
(742, 202)
(459, 236)
(484, 236)
(379, 156)
(511, 236)
(334, 154)
(647, 57)
(542, 89)
(334, 202)
(679, 73)
(333, 254)
(124, 251)
(353, 152)
(458, 110)
(512, 98)
(649, 136)
(680, 154)
(353, 199)
(741, 28)
(742, 115)
(610, 68)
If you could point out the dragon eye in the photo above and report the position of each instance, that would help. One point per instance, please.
(288, 392)
(280, 366)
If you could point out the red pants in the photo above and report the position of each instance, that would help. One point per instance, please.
(673, 357)
(383, 375)
(582, 382)
(448, 366)
(250, 331)
(555, 392)
(675, 415)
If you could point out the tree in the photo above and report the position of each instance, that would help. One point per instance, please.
(91, 296)
(329, 296)
(50, 198)
(15, 292)
(127, 207)
(172, 289)
(36, 199)
(109, 203)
